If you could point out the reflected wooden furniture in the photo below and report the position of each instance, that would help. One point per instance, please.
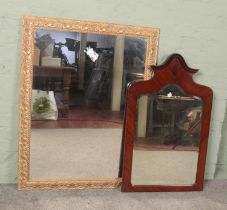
(173, 105)
(57, 72)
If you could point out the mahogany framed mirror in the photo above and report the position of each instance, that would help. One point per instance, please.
(72, 94)
(166, 130)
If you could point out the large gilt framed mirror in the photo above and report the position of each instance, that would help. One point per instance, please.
(165, 145)
(73, 82)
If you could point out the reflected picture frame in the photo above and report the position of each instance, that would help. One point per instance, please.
(30, 25)
(173, 71)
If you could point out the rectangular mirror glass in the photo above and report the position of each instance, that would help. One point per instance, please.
(78, 92)
(167, 138)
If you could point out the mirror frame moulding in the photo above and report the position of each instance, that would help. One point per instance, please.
(173, 71)
(30, 24)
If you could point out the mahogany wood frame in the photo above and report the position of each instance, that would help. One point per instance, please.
(174, 71)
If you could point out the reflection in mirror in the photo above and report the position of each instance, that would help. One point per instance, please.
(78, 94)
(167, 138)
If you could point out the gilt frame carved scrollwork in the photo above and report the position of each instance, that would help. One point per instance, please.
(30, 25)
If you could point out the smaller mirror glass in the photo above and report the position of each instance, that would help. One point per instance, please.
(167, 138)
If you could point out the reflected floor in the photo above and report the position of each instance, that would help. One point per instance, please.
(164, 160)
(158, 147)
(84, 118)
(164, 167)
(163, 143)
(75, 153)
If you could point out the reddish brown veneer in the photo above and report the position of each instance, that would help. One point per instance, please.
(174, 71)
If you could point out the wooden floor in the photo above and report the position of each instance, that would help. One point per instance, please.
(158, 147)
(84, 118)
(155, 143)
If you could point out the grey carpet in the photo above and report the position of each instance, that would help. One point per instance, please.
(214, 197)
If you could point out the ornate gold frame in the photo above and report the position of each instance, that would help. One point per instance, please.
(30, 24)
